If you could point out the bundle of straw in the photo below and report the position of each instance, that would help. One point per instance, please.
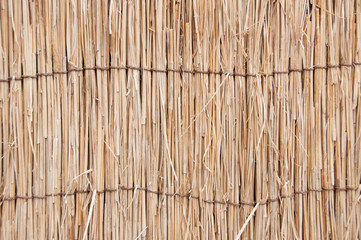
(180, 119)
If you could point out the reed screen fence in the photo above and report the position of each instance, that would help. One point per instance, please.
(180, 119)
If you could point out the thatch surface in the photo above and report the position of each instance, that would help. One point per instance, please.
(187, 119)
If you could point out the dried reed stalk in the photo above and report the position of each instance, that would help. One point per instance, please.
(185, 119)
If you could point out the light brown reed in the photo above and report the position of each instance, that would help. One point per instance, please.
(182, 119)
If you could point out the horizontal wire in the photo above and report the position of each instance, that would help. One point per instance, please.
(180, 70)
(188, 196)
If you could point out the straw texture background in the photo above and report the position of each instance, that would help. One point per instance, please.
(180, 119)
